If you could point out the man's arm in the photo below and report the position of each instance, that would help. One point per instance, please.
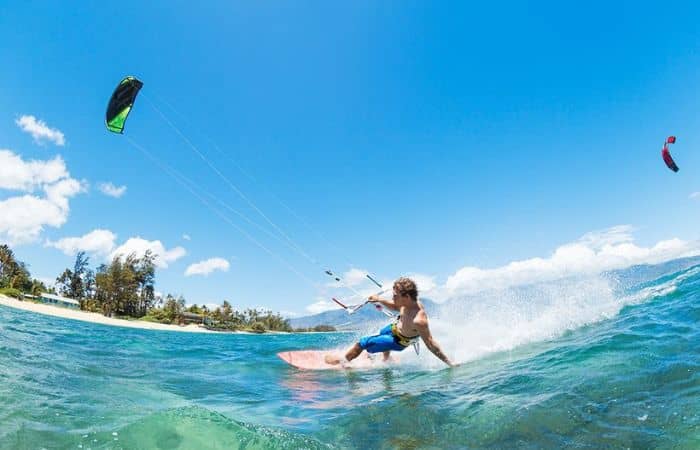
(387, 303)
(431, 343)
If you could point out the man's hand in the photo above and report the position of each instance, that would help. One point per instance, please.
(379, 302)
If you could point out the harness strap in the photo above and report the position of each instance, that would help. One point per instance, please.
(400, 338)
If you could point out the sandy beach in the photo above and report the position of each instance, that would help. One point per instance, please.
(96, 317)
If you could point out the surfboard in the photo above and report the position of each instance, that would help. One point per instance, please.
(315, 360)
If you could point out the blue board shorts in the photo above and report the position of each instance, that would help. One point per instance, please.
(382, 342)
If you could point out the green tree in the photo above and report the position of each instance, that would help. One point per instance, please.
(13, 273)
(173, 308)
(76, 283)
(126, 286)
(145, 271)
(251, 316)
(194, 309)
(114, 285)
(37, 288)
(226, 312)
(21, 279)
(7, 265)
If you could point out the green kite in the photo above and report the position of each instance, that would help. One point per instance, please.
(121, 103)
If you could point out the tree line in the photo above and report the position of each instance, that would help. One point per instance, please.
(15, 277)
(125, 288)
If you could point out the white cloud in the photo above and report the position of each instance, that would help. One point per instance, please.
(352, 278)
(321, 305)
(59, 192)
(26, 176)
(24, 217)
(186, 237)
(97, 242)
(694, 196)
(111, 190)
(595, 252)
(426, 283)
(139, 246)
(40, 131)
(427, 287)
(208, 266)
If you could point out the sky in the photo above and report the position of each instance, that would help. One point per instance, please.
(467, 145)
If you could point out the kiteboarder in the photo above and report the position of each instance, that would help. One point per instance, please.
(411, 324)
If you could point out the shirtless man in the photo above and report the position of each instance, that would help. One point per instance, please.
(411, 324)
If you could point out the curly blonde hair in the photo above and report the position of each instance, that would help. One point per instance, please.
(406, 286)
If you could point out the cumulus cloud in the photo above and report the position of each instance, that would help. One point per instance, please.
(59, 192)
(352, 278)
(208, 266)
(40, 131)
(96, 242)
(45, 187)
(111, 190)
(426, 283)
(595, 252)
(186, 237)
(27, 176)
(23, 218)
(359, 289)
(320, 306)
(139, 246)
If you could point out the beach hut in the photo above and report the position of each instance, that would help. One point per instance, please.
(187, 318)
(57, 300)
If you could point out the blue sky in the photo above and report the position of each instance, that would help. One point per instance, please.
(418, 138)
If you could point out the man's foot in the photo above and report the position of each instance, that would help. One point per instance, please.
(332, 360)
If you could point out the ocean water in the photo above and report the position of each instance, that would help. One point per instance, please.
(589, 363)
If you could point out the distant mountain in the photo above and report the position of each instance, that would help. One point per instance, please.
(341, 320)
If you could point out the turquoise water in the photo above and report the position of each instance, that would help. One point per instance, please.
(605, 366)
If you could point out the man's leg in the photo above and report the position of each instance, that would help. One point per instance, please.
(387, 355)
(351, 354)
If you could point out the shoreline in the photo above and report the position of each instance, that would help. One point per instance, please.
(92, 317)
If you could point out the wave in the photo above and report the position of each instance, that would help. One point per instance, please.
(500, 320)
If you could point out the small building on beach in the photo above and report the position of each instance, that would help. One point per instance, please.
(57, 300)
(187, 318)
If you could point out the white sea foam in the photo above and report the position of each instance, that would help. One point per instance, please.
(470, 327)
